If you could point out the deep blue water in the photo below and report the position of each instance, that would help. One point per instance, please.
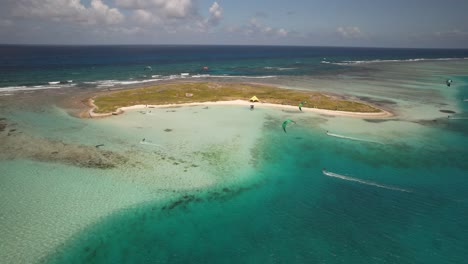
(90, 66)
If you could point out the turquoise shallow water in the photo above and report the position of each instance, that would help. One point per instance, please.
(295, 213)
(211, 190)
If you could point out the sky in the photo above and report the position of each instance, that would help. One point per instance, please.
(356, 23)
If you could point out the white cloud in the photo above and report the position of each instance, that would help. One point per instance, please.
(350, 32)
(148, 18)
(69, 11)
(102, 12)
(216, 14)
(54, 9)
(159, 19)
(166, 8)
(171, 16)
(255, 27)
(282, 32)
(145, 18)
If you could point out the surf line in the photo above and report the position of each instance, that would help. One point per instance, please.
(352, 138)
(348, 178)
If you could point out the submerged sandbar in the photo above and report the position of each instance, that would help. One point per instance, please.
(196, 93)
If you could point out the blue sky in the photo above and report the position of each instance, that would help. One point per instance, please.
(366, 23)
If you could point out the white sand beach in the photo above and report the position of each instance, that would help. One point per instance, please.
(244, 103)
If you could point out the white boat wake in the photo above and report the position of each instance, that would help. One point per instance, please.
(459, 118)
(347, 178)
(144, 142)
(352, 138)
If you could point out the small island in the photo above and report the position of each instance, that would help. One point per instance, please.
(183, 93)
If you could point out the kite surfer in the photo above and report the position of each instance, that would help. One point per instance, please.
(449, 82)
(301, 105)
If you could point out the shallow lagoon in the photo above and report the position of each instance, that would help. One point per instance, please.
(226, 184)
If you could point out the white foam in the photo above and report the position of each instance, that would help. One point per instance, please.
(370, 183)
(200, 75)
(278, 68)
(104, 83)
(54, 82)
(27, 88)
(380, 61)
(242, 76)
(351, 138)
(12, 88)
(111, 83)
(135, 82)
(154, 78)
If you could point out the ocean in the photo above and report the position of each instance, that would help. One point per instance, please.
(47, 67)
(223, 184)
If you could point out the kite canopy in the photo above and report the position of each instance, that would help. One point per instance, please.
(285, 124)
(254, 99)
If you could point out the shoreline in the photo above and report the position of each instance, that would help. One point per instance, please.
(91, 114)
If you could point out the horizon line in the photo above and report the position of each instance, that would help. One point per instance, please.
(227, 45)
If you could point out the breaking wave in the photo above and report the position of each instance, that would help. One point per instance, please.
(279, 68)
(113, 83)
(354, 62)
(32, 88)
(241, 76)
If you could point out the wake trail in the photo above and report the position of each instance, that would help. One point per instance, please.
(352, 138)
(150, 144)
(347, 178)
(459, 118)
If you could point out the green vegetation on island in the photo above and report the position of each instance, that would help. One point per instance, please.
(188, 92)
